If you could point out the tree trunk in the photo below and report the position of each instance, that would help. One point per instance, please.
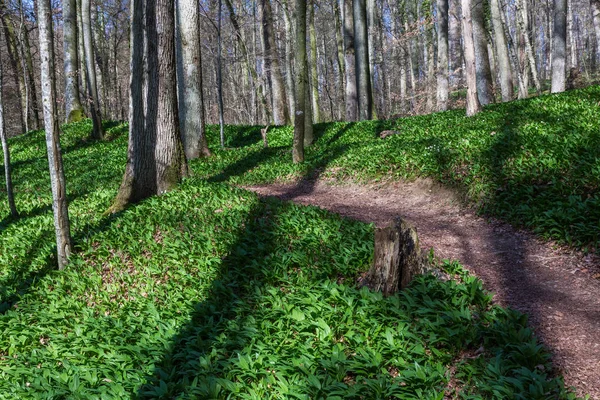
(280, 110)
(339, 41)
(192, 120)
(442, 65)
(559, 69)
(73, 107)
(219, 70)
(350, 62)
(51, 125)
(93, 100)
(300, 119)
(289, 60)
(156, 160)
(482, 60)
(473, 105)
(314, 76)
(363, 75)
(596, 20)
(6, 152)
(397, 259)
(506, 81)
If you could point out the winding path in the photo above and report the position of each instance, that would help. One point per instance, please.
(557, 287)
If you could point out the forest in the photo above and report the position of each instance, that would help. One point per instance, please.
(196, 196)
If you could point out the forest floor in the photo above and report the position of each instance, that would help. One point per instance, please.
(557, 287)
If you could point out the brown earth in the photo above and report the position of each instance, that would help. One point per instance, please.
(558, 287)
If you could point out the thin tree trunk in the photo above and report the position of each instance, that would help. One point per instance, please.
(192, 120)
(289, 59)
(94, 103)
(220, 76)
(482, 60)
(559, 46)
(363, 76)
(6, 152)
(596, 21)
(473, 105)
(442, 65)
(314, 76)
(73, 107)
(350, 62)
(339, 41)
(51, 124)
(300, 120)
(504, 68)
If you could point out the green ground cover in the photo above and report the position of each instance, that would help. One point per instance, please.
(534, 163)
(210, 292)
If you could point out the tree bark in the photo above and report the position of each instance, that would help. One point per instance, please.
(73, 107)
(559, 69)
(219, 70)
(482, 60)
(361, 47)
(397, 259)
(51, 125)
(93, 100)
(192, 119)
(6, 153)
(504, 68)
(314, 76)
(156, 160)
(523, 21)
(473, 105)
(442, 64)
(281, 114)
(300, 119)
(596, 21)
(350, 62)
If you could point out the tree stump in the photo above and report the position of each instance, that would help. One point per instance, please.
(398, 258)
(263, 133)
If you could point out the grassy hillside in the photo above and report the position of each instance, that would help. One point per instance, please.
(211, 292)
(535, 163)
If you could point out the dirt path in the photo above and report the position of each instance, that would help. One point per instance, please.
(559, 289)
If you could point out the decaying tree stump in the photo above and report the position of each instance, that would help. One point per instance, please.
(398, 258)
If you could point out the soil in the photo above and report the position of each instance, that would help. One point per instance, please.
(558, 287)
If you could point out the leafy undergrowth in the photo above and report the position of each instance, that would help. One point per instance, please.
(210, 292)
(534, 163)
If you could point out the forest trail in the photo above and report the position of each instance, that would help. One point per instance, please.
(557, 287)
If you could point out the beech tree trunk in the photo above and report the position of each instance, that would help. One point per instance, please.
(6, 153)
(596, 21)
(300, 119)
(51, 125)
(442, 64)
(314, 75)
(482, 60)
(559, 46)
(73, 108)
(504, 68)
(350, 62)
(88, 45)
(361, 48)
(473, 105)
(156, 160)
(189, 80)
